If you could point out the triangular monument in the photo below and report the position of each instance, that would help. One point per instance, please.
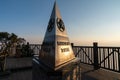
(56, 48)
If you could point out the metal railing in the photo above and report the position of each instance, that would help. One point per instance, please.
(98, 56)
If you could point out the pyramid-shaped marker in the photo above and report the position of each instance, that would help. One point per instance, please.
(56, 49)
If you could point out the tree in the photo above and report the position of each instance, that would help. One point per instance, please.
(7, 40)
(26, 50)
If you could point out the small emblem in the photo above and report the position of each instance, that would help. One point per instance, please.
(60, 24)
(50, 25)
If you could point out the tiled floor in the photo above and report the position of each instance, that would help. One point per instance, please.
(101, 74)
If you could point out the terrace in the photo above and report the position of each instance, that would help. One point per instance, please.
(106, 66)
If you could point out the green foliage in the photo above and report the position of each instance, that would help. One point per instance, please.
(7, 40)
(3, 35)
(26, 50)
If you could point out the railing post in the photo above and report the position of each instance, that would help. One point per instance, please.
(95, 53)
(72, 44)
(119, 60)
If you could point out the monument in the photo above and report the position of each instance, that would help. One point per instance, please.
(56, 48)
(56, 53)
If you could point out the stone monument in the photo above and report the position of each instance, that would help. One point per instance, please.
(56, 53)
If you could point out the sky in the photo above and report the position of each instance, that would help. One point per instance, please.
(86, 21)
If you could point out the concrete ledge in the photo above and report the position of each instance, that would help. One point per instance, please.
(14, 63)
(17, 69)
(5, 73)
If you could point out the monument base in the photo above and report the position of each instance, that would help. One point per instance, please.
(70, 71)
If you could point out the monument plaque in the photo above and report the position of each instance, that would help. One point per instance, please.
(56, 49)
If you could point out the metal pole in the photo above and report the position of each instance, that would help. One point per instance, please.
(95, 53)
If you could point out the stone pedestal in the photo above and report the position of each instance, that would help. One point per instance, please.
(70, 71)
